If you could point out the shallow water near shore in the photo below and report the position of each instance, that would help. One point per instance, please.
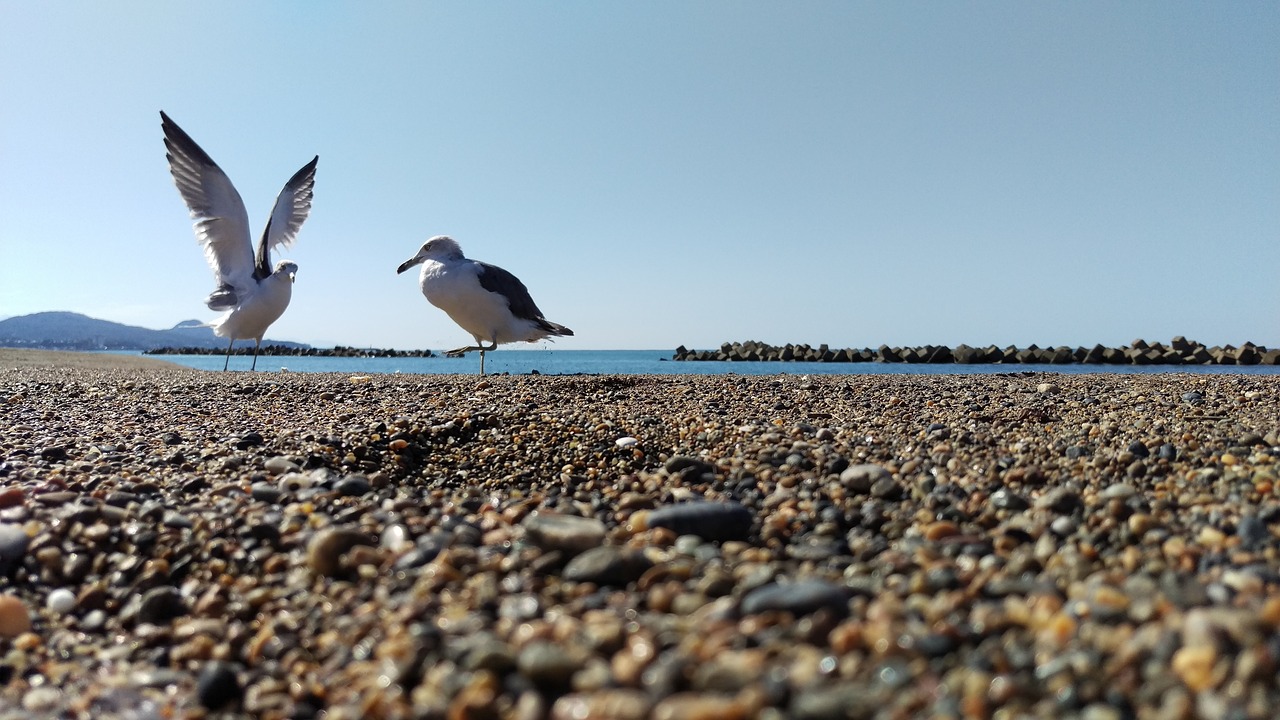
(657, 362)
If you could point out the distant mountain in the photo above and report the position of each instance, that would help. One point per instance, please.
(73, 331)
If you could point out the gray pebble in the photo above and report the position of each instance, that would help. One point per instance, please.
(607, 565)
(860, 478)
(571, 534)
(13, 546)
(707, 520)
(800, 598)
(217, 686)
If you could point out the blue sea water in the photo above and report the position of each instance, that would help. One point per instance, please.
(654, 362)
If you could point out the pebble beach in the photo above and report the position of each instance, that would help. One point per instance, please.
(176, 543)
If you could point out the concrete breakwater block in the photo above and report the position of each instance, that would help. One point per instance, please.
(1179, 351)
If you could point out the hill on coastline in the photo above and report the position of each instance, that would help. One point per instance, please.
(73, 331)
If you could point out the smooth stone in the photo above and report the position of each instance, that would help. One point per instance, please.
(394, 537)
(217, 686)
(279, 465)
(61, 601)
(1060, 500)
(716, 521)
(548, 664)
(353, 486)
(1005, 499)
(1253, 533)
(15, 617)
(324, 552)
(1139, 449)
(266, 492)
(13, 546)
(607, 565)
(157, 606)
(861, 478)
(1119, 490)
(248, 440)
(572, 534)
(611, 703)
(800, 598)
(690, 467)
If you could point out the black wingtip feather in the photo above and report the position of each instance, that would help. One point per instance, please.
(177, 140)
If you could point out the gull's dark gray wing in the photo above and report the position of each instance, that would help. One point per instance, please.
(496, 280)
(293, 204)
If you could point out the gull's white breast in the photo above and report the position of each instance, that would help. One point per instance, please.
(455, 288)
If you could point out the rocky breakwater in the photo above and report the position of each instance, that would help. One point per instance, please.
(302, 546)
(285, 351)
(1179, 351)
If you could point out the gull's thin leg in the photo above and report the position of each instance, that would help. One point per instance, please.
(228, 362)
(256, 343)
(462, 350)
(492, 346)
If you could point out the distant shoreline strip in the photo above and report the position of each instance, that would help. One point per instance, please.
(284, 351)
(1179, 351)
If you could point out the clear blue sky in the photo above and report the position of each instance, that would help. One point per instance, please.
(670, 172)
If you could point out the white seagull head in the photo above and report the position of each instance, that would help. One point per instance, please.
(287, 267)
(439, 248)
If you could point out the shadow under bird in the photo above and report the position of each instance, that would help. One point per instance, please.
(483, 299)
(250, 290)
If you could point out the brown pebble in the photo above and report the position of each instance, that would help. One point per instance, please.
(15, 618)
(617, 704)
(941, 529)
(1195, 666)
(693, 706)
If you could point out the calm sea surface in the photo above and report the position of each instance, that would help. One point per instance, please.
(654, 362)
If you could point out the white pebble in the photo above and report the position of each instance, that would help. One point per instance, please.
(61, 601)
(625, 441)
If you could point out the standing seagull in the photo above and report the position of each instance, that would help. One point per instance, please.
(253, 295)
(485, 300)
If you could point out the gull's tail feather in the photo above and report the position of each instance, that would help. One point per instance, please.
(553, 328)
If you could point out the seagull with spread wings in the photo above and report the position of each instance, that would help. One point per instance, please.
(250, 290)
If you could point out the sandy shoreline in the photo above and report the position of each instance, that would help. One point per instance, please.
(21, 358)
(866, 546)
